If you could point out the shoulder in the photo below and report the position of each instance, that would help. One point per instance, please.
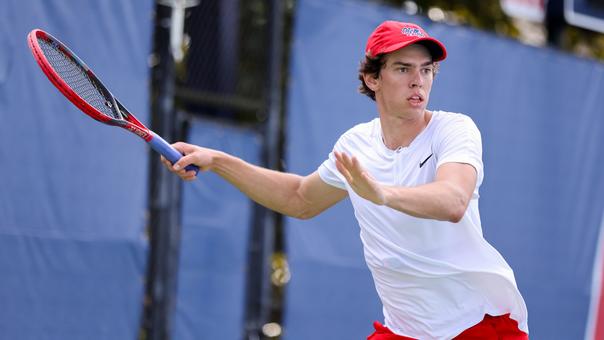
(362, 131)
(448, 118)
(446, 122)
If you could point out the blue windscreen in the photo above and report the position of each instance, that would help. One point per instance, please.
(214, 242)
(73, 194)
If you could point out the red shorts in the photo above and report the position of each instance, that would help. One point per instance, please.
(491, 327)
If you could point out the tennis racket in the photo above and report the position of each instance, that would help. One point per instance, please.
(79, 84)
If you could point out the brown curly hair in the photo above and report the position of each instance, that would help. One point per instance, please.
(370, 66)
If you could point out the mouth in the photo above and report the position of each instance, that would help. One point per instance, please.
(416, 99)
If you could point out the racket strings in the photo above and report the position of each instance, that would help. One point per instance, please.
(76, 76)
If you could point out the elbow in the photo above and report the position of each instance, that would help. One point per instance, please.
(302, 217)
(457, 205)
(305, 214)
(457, 212)
(300, 209)
(455, 216)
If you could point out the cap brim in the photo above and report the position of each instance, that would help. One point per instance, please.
(436, 48)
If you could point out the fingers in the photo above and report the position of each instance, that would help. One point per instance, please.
(184, 148)
(184, 161)
(348, 163)
(179, 168)
(359, 179)
(342, 169)
(349, 167)
(167, 164)
(188, 176)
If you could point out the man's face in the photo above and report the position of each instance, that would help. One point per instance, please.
(405, 80)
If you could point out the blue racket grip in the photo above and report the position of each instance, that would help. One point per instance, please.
(160, 145)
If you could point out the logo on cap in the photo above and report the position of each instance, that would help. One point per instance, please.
(412, 32)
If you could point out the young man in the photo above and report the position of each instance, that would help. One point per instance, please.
(413, 177)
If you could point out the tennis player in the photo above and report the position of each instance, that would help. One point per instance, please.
(413, 177)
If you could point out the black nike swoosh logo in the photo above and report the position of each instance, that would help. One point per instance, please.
(425, 160)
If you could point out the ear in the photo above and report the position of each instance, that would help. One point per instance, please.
(371, 81)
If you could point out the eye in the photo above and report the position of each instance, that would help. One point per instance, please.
(427, 70)
(403, 69)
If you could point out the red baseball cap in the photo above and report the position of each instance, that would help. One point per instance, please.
(390, 36)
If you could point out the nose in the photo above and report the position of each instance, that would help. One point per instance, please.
(416, 80)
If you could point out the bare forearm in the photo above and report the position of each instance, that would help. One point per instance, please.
(437, 200)
(289, 194)
(273, 189)
(446, 198)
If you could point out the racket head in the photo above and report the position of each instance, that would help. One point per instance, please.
(74, 78)
(80, 85)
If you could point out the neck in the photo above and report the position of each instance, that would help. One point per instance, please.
(400, 131)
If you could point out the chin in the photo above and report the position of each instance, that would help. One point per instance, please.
(418, 109)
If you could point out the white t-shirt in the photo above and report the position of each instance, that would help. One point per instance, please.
(435, 278)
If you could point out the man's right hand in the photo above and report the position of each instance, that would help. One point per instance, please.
(192, 154)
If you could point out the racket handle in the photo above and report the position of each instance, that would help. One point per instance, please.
(160, 145)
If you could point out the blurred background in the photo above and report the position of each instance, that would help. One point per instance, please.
(98, 241)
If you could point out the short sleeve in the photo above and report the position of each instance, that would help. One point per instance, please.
(328, 171)
(460, 142)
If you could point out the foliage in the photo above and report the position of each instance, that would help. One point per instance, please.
(488, 15)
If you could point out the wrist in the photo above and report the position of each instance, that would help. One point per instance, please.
(218, 161)
(387, 193)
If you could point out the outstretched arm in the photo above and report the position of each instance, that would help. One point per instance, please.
(289, 194)
(446, 198)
